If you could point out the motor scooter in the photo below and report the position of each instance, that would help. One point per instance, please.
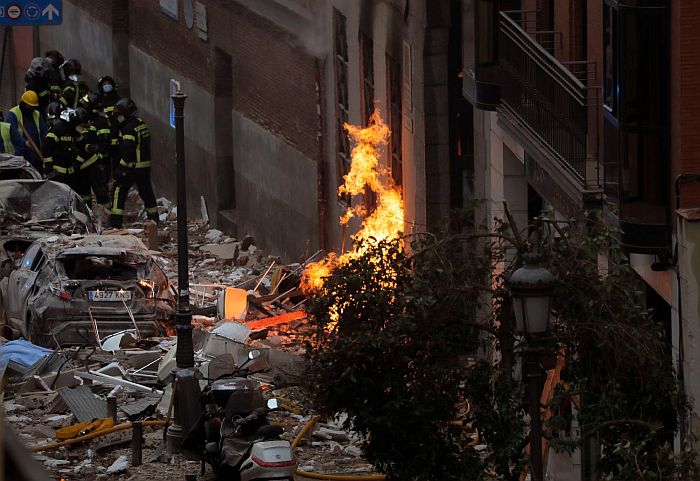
(233, 434)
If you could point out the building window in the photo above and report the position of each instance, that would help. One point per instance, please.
(393, 70)
(635, 92)
(340, 50)
(610, 85)
(367, 76)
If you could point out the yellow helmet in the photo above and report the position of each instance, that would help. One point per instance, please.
(30, 98)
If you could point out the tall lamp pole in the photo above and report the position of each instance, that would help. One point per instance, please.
(184, 356)
(531, 288)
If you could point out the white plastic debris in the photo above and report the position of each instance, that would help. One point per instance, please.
(213, 235)
(118, 466)
(54, 463)
(233, 330)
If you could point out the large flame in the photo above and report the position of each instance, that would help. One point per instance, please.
(366, 172)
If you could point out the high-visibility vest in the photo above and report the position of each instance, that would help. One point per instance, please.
(18, 113)
(6, 137)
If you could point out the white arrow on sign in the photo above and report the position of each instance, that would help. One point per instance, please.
(50, 11)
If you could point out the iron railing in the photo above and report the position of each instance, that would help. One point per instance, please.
(550, 101)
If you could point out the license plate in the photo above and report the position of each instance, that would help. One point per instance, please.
(109, 296)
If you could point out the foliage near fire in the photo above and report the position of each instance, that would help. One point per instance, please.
(423, 357)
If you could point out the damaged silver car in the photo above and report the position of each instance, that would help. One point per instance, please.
(16, 167)
(30, 209)
(76, 289)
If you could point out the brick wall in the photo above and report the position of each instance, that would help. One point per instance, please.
(273, 80)
(170, 42)
(101, 10)
(687, 98)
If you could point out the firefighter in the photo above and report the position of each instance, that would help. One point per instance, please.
(108, 96)
(73, 88)
(38, 79)
(55, 78)
(94, 152)
(30, 124)
(10, 140)
(60, 153)
(53, 112)
(107, 90)
(135, 163)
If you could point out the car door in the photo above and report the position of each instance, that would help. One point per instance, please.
(22, 280)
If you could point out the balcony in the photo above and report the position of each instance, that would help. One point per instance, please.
(552, 108)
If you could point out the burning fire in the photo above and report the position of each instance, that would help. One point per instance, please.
(366, 172)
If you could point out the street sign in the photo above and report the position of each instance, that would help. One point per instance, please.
(15, 13)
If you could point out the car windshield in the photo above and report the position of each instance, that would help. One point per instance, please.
(99, 268)
(38, 202)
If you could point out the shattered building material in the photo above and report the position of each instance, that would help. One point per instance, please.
(83, 403)
(115, 381)
(144, 406)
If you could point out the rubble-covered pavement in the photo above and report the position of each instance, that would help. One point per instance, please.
(53, 396)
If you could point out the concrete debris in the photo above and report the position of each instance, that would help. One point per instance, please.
(213, 235)
(84, 405)
(242, 299)
(118, 466)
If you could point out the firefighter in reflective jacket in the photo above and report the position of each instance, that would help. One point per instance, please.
(74, 88)
(60, 154)
(95, 151)
(135, 163)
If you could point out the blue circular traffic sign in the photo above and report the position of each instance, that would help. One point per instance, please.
(32, 11)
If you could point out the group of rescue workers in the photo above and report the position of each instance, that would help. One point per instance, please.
(92, 141)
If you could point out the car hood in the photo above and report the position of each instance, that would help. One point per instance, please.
(46, 205)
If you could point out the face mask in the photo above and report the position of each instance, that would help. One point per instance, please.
(107, 88)
(120, 118)
(74, 78)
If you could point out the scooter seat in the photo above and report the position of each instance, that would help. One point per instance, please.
(270, 432)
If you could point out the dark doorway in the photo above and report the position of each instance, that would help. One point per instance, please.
(461, 125)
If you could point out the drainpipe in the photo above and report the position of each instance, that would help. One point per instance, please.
(320, 162)
(680, 180)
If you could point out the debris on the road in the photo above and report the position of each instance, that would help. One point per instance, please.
(76, 404)
(119, 465)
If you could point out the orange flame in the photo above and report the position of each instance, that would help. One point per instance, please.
(366, 172)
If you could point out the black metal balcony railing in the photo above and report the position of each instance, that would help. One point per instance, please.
(549, 100)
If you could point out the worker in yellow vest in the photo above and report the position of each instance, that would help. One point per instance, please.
(25, 117)
(10, 140)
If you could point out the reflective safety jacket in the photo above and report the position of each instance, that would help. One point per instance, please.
(10, 140)
(87, 148)
(35, 129)
(106, 135)
(72, 93)
(135, 144)
(59, 150)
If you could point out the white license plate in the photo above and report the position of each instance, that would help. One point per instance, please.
(109, 296)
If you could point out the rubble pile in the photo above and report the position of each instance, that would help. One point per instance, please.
(77, 408)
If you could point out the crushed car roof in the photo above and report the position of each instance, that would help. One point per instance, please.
(62, 246)
(29, 202)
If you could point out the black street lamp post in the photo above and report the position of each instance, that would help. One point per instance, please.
(184, 356)
(531, 288)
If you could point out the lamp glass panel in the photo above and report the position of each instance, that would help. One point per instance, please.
(537, 314)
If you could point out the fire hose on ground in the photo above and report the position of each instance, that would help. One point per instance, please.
(93, 435)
